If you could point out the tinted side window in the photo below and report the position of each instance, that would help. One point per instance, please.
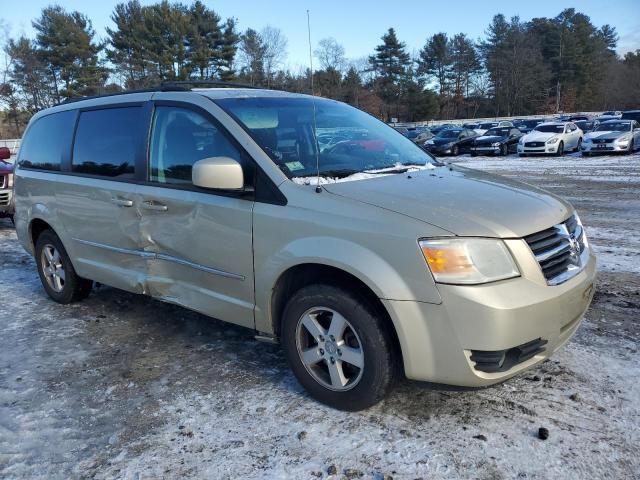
(107, 140)
(47, 141)
(180, 137)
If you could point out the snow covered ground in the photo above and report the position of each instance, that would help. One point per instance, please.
(122, 386)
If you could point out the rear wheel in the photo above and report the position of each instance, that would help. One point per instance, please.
(56, 272)
(338, 347)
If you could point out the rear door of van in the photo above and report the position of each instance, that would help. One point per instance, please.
(97, 197)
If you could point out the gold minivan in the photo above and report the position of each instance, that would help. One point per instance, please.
(309, 222)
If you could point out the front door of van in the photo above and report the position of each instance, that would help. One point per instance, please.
(202, 240)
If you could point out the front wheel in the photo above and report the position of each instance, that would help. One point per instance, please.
(455, 150)
(58, 277)
(504, 150)
(338, 347)
(579, 146)
(560, 150)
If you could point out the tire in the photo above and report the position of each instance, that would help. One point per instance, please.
(58, 277)
(455, 150)
(585, 154)
(474, 154)
(322, 307)
(560, 151)
(504, 150)
(578, 145)
(631, 146)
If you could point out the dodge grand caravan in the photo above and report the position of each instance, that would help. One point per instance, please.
(311, 223)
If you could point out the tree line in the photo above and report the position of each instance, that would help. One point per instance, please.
(564, 63)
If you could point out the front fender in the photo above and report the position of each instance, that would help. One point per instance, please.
(382, 278)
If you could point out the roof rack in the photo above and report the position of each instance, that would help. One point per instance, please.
(166, 86)
(215, 83)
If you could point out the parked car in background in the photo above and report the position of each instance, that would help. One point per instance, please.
(445, 275)
(585, 125)
(6, 183)
(613, 136)
(603, 118)
(436, 129)
(631, 115)
(551, 139)
(575, 118)
(483, 127)
(452, 141)
(526, 125)
(419, 135)
(612, 113)
(470, 126)
(402, 130)
(497, 141)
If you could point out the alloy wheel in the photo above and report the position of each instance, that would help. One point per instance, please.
(330, 349)
(52, 268)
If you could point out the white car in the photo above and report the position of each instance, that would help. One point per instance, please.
(553, 138)
(612, 136)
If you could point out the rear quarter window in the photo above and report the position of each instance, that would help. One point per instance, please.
(47, 141)
(107, 142)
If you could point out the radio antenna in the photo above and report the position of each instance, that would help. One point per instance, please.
(310, 55)
(313, 104)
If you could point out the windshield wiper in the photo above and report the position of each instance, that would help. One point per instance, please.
(338, 173)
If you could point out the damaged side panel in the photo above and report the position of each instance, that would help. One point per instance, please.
(201, 251)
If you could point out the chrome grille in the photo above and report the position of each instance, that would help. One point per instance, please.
(560, 250)
(534, 144)
(4, 198)
(3, 181)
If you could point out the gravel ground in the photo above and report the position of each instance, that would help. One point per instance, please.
(122, 386)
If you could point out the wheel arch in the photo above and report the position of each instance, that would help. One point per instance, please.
(304, 274)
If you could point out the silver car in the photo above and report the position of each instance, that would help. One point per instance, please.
(6, 183)
(612, 136)
(364, 261)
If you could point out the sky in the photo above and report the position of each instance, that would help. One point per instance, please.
(358, 24)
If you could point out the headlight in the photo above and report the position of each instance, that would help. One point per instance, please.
(624, 138)
(521, 141)
(553, 140)
(10, 180)
(495, 144)
(586, 140)
(429, 142)
(468, 260)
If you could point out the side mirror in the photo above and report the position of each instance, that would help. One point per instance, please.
(221, 173)
(5, 153)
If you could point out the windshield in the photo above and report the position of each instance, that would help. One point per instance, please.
(333, 139)
(449, 133)
(497, 132)
(614, 127)
(550, 128)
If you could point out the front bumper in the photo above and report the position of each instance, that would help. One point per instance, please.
(438, 341)
(438, 150)
(589, 147)
(6, 202)
(547, 149)
(485, 149)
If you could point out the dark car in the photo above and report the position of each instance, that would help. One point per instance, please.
(631, 115)
(451, 141)
(436, 129)
(6, 183)
(575, 118)
(584, 125)
(419, 134)
(525, 126)
(497, 141)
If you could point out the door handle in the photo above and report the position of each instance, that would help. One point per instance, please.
(122, 202)
(156, 206)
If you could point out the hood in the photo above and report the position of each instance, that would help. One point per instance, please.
(604, 135)
(462, 201)
(443, 141)
(536, 136)
(6, 167)
(489, 139)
